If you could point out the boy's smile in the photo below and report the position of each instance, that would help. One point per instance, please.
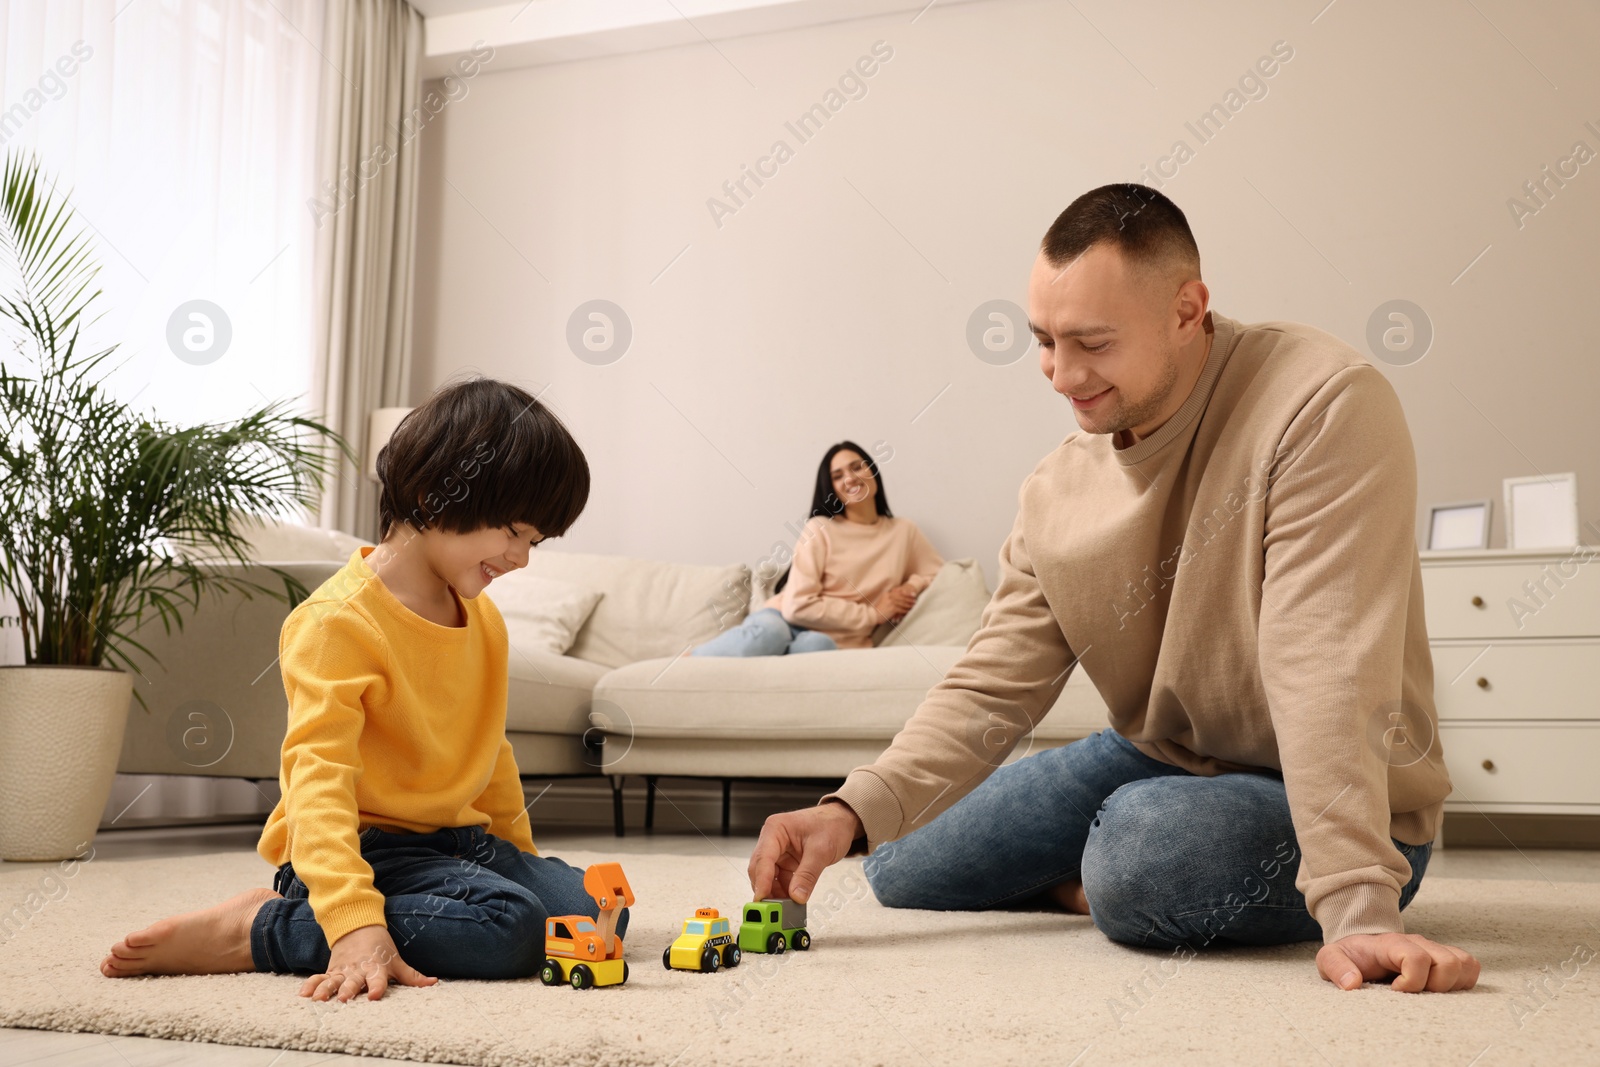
(422, 568)
(468, 563)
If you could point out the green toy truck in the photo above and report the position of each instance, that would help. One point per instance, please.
(774, 926)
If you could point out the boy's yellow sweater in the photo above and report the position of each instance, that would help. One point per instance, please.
(394, 721)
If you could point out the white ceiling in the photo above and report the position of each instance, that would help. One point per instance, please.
(526, 33)
(430, 8)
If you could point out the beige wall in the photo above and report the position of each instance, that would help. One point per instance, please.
(834, 303)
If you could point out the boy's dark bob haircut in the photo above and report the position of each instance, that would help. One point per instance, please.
(481, 453)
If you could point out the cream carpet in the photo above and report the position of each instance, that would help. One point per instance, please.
(878, 987)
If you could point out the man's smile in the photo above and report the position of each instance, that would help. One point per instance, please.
(1090, 401)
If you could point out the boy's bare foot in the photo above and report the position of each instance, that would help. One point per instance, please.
(213, 941)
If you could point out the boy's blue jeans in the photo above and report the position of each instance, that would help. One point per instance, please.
(1167, 858)
(459, 903)
(765, 633)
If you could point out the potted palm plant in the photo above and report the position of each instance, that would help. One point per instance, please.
(107, 518)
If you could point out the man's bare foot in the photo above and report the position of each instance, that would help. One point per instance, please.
(1070, 896)
(213, 941)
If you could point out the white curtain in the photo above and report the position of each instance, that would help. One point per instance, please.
(366, 216)
(187, 132)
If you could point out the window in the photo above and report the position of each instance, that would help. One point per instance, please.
(187, 134)
(753, 915)
(561, 931)
(694, 928)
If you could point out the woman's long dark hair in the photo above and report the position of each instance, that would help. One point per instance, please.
(826, 504)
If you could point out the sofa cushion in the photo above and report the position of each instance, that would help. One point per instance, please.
(542, 614)
(845, 694)
(548, 693)
(650, 609)
(948, 612)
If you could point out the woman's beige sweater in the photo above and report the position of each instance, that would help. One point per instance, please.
(840, 567)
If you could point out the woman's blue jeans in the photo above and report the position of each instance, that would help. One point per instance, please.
(459, 903)
(1167, 858)
(765, 633)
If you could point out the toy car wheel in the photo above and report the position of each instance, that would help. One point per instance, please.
(582, 977)
(666, 959)
(731, 956)
(710, 961)
(624, 972)
(802, 940)
(775, 944)
(550, 973)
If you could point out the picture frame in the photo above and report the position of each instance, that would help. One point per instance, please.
(1453, 527)
(1542, 511)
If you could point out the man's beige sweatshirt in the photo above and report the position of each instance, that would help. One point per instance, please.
(1243, 588)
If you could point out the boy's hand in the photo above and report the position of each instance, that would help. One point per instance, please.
(365, 958)
(1417, 963)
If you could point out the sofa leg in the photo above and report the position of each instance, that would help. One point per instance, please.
(649, 803)
(616, 804)
(727, 804)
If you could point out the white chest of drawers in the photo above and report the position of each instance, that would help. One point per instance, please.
(1516, 657)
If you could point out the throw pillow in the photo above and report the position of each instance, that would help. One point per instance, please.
(542, 614)
(947, 613)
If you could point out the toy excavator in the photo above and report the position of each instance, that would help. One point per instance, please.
(585, 952)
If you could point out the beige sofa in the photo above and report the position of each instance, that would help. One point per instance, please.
(621, 701)
(213, 700)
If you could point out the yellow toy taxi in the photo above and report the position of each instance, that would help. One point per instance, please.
(706, 944)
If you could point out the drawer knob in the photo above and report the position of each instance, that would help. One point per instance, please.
(1488, 764)
(1483, 683)
(1477, 601)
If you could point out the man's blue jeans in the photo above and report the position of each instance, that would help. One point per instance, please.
(1166, 857)
(459, 903)
(765, 633)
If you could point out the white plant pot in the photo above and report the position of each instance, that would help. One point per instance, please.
(60, 739)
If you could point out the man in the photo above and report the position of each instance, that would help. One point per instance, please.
(1228, 550)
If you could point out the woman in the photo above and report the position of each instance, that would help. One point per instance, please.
(855, 566)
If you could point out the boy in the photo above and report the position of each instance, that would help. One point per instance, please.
(402, 840)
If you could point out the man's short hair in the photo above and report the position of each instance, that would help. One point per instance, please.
(482, 453)
(1146, 226)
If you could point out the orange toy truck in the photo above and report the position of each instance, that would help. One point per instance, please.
(585, 952)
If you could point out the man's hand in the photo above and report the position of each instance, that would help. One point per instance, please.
(365, 958)
(894, 603)
(1417, 962)
(796, 846)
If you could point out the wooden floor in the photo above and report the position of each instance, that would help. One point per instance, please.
(94, 1050)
